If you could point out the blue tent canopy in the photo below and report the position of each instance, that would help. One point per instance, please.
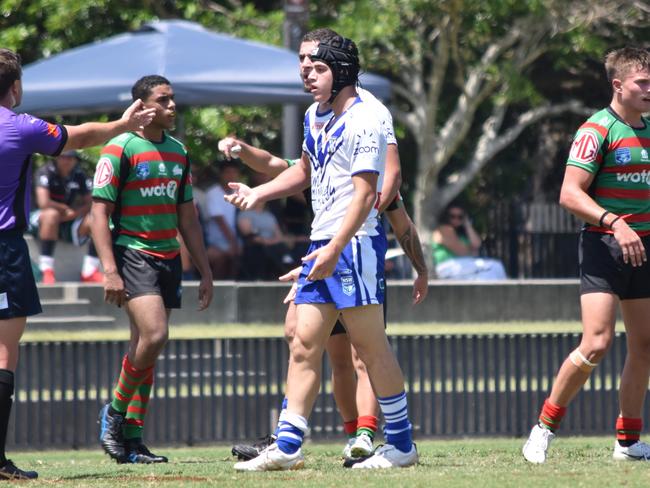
(206, 68)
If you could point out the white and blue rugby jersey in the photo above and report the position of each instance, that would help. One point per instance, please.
(354, 142)
(315, 120)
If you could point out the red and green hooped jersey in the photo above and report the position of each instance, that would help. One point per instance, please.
(146, 198)
(619, 157)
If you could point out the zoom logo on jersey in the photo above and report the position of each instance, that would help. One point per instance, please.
(639, 177)
(161, 190)
(366, 150)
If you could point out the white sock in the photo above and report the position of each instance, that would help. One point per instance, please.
(90, 265)
(46, 262)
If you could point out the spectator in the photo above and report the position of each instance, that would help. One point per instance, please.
(63, 199)
(266, 254)
(221, 230)
(456, 250)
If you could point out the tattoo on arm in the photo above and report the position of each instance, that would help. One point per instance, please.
(410, 242)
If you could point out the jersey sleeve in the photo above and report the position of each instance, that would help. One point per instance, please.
(107, 173)
(588, 147)
(386, 120)
(41, 136)
(365, 151)
(185, 193)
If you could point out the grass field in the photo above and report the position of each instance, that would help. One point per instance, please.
(573, 462)
(266, 330)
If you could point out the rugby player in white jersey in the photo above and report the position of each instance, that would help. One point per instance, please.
(354, 397)
(343, 270)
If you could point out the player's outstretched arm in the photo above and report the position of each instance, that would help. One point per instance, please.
(293, 180)
(257, 159)
(101, 235)
(407, 235)
(95, 133)
(190, 229)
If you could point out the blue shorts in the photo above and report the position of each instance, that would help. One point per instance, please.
(358, 278)
(18, 292)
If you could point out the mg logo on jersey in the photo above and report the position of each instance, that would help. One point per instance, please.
(644, 155)
(162, 169)
(622, 156)
(161, 190)
(103, 173)
(585, 147)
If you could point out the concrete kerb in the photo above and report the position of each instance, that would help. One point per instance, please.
(261, 302)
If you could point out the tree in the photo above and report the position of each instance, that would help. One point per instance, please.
(462, 73)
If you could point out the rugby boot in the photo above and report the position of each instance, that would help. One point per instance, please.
(110, 433)
(138, 453)
(9, 471)
(245, 452)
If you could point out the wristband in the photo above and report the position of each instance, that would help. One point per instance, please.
(601, 221)
(611, 224)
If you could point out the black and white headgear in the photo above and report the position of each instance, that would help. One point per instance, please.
(342, 57)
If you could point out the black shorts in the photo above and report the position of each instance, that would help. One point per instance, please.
(144, 274)
(18, 292)
(602, 268)
(339, 328)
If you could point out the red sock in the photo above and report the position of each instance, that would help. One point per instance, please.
(367, 424)
(628, 431)
(551, 415)
(350, 428)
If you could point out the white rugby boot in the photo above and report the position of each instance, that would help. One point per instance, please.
(273, 459)
(537, 445)
(388, 456)
(639, 451)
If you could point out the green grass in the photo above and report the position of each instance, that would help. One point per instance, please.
(573, 462)
(265, 330)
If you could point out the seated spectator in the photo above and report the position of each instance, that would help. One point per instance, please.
(456, 250)
(266, 254)
(222, 244)
(63, 198)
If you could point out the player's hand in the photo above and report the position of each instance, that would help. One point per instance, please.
(68, 214)
(242, 197)
(420, 288)
(137, 116)
(630, 242)
(205, 292)
(325, 258)
(230, 146)
(114, 289)
(292, 275)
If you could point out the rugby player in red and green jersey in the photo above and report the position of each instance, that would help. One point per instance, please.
(606, 184)
(143, 188)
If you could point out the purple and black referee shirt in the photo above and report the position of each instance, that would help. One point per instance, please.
(22, 135)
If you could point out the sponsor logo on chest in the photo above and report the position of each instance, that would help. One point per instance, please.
(163, 189)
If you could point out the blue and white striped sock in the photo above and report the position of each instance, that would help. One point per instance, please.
(291, 431)
(397, 430)
(285, 402)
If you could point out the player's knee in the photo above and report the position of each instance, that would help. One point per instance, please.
(49, 216)
(586, 361)
(341, 363)
(156, 340)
